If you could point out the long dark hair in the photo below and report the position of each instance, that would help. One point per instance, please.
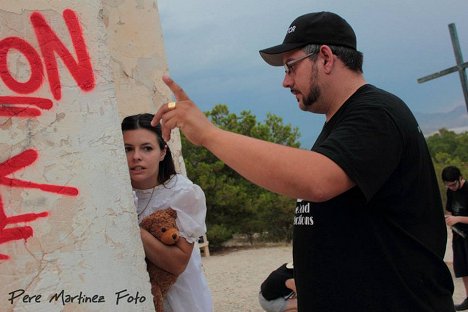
(143, 121)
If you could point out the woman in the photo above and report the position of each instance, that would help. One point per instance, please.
(157, 186)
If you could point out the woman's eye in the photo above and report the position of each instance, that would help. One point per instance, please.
(128, 149)
(147, 148)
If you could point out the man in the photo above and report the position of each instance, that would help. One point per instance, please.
(369, 230)
(457, 206)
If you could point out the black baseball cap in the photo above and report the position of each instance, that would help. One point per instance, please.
(312, 28)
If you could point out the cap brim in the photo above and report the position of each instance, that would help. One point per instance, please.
(274, 55)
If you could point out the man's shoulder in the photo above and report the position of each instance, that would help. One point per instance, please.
(374, 96)
(377, 103)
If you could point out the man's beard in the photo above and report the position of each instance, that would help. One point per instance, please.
(314, 93)
(312, 97)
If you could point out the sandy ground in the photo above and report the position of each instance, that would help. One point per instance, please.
(234, 277)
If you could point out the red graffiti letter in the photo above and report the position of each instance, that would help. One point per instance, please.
(33, 58)
(24, 160)
(19, 106)
(50, 43)
(16, 232)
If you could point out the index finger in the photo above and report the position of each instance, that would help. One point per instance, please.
(177, 90)
(179, 94)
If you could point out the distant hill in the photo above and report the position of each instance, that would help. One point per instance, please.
(455, 120)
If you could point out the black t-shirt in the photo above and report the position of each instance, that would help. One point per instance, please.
(380, 245)
(274, 285)
(457, 204)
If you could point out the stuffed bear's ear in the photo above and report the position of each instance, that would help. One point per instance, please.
(172, 213)
(146, 223)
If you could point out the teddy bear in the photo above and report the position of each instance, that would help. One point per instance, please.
(162, 225)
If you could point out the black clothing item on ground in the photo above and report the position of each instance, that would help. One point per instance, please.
(274, 285)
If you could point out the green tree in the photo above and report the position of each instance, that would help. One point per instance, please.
(234, 204)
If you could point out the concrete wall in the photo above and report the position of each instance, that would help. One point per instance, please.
(69, 71)
(138, 60)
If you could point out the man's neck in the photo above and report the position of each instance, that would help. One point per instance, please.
(346, 91)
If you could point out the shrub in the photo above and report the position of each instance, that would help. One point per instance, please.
(217, 235)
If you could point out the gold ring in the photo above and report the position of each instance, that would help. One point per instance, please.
(171, 105)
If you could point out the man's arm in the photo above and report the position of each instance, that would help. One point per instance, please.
(289, 171)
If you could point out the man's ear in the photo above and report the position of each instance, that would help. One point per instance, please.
(327, 58)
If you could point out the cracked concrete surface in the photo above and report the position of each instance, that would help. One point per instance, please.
(88, 242)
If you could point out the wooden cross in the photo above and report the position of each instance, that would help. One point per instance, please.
(460, 67)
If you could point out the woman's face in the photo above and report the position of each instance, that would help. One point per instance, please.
(143, 157)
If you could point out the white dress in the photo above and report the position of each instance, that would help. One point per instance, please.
(190, 292)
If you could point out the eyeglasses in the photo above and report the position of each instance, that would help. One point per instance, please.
(452, 184)
(289, 66)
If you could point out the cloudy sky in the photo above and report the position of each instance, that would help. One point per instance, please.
(212, 51)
